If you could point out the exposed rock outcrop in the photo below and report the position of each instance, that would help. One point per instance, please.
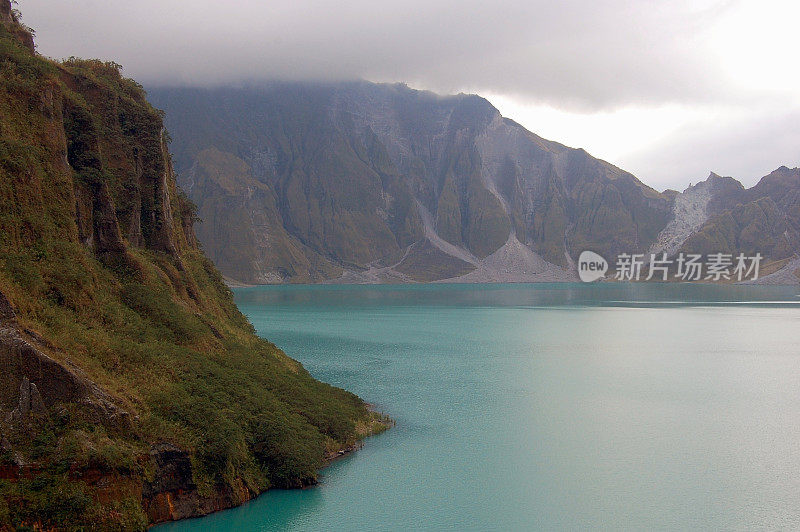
(690, 210)
(30, 402)
(174, 495)
(23, 364)
(763, 219)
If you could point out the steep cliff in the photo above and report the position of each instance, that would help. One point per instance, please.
(358, 181)
(132, 390)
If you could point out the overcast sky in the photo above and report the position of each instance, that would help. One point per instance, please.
(668, 90)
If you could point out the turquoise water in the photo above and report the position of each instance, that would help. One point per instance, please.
(546, 406)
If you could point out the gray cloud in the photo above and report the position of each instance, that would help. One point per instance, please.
(575, 54)
(581, 56)
(745, 145)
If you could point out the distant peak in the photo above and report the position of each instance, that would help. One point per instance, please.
(714, 177)
(784, 170)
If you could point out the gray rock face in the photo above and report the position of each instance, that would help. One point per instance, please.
(30, 402)
(53, 381)
(690, 211)
(319, 182)
(7, 314)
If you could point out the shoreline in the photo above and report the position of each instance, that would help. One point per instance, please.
(378, 424)
(222, 499)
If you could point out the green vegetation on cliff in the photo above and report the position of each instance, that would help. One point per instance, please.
(133, 390)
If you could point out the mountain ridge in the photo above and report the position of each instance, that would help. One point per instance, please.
(397, 158)
(363, 182)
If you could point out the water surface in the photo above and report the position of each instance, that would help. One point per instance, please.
(546, 406)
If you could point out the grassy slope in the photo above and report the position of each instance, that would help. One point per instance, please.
(152, 323)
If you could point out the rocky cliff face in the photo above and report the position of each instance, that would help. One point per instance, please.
(762, 219)
(132, 390)
(303, 182)
(358, 182)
